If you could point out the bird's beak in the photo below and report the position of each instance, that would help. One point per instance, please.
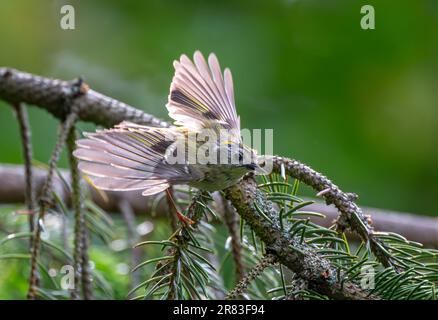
(251, 166)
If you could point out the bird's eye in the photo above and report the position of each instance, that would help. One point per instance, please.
(229, 150)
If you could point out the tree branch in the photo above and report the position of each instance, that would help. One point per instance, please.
(351, 217)
(415, 227)
(300, 258)
(50, 94)
(78, 213)
(267, 261)
(44, 201)
(231, 220)
(25, 133)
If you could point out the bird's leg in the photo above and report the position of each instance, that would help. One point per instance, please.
(182, 218)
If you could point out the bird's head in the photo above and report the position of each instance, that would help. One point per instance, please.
(238, 156)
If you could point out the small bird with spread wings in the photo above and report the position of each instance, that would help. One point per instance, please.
(135, 157)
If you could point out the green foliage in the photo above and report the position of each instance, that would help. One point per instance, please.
(184, 271)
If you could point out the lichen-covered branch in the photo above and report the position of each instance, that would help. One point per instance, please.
(351, 217)
(298, 285)
(300, 258)
(267, 261)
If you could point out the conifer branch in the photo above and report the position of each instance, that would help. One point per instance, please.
(125, 209)
(171, 213)
(298, 285)
(176, 269)
(267, 261)
(75, 90)
(78, 214)
(25, 133)
(44, 201)
(232, 222)
(300, 258)
(351, 217)
(87, 284)
(80, 256)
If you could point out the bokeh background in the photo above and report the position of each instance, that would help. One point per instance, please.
(359, 106)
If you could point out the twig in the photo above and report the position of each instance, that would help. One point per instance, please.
(44, 201)
(129, 217)
(351, 216)
(87, 285)
(267, 261)
(26, 141)
(298, 285)
(171, 213)
(70, 94)
(79, 214)
(173, 286)
(192, 212)
(181, 238)
(231, 219)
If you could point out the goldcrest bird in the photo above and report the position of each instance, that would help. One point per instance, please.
(135, 157)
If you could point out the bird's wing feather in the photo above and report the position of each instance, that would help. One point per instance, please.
(201, 97)
(130, 157)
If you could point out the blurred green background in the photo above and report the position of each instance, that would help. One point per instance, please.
(359, 106)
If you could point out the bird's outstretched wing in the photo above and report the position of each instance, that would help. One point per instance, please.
(131, 157)
(200, 96)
